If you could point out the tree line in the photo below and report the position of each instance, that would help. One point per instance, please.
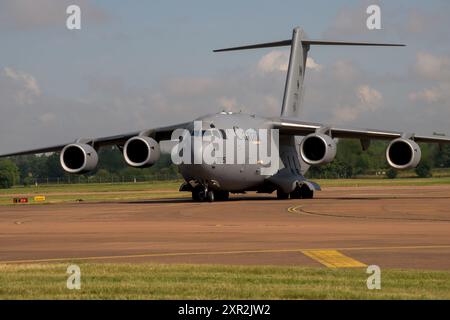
(351, 161)
(26, 170)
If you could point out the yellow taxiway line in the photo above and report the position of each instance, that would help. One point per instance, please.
(333, 259)
(180, 254)
(327, 256)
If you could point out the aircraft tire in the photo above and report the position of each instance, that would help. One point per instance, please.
(198, 194)
(306, 192)
(210, 196)
(296, 194)
(222, 195)
(282, 195)
(195, 196)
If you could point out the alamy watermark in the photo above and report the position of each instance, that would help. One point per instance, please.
(214, 146)
(74, 279)
(374, 280)
(73, 21)
(373, 22)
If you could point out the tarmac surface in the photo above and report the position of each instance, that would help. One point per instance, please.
(392, 227)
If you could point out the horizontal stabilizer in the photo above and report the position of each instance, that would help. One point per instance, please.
(350, 43)
(308, 42)
(258, 46)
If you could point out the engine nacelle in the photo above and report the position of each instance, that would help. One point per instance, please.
(317, 149)
(78, 158)
(403, 154)
(141, 152)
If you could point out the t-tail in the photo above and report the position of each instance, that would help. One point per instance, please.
(300, 45)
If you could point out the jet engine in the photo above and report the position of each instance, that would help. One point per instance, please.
(317, 149)
(78, 158)
(141, 152)
(403, 154)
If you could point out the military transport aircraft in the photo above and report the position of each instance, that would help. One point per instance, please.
(216, 181)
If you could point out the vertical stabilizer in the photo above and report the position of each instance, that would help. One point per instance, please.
(293, 91)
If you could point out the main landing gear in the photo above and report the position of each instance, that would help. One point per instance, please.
(300, 192)
(201, 194)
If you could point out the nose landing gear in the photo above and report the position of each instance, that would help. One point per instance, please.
(200, 194)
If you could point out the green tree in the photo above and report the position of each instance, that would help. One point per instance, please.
(423, 170)
(103, 175)
(362, 164)
(53, 168)
(442, 159)
(391, 173)
(9, 174)
(111, 160)
(335, 169)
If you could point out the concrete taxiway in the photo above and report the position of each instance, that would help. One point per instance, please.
(393, 227)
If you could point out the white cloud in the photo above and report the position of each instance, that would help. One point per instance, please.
(369, 97)
(427, 95)
(432, 67)
(27, 80)
(369, 100)
(437, 94)
(21, 85)
(278, 61)
(311, 64)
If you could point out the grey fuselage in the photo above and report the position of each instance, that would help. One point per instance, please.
(245, 176)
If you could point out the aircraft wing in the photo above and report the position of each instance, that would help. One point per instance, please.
(163, 133)
(290, 126)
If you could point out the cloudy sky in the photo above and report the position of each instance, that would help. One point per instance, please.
(142, 64)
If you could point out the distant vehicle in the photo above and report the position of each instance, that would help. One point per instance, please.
(216, 181)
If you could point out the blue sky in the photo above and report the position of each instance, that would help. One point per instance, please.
(147, 63)
(147, 40)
